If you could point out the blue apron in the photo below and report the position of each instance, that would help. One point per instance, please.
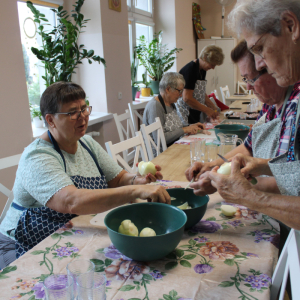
(35, 224)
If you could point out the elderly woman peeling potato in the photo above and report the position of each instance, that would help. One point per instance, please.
(65, 173)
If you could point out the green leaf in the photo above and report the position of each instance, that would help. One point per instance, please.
(199, 245)
(55, 235)
(9, 269)
(252, 290)
(229, 262)
(126, 288)
(37, 252)
(101, 250)
(2, 276)
(171, 265)
(167, 297)
(32, 297)
(171, 255)
(67, 233)
(179, 252)
(147, 277)
(108, 262)
(192, 242)
(185, 263)
(173, 294)
(97, 262)
(44, 276)
(226, 284)
(240, 256)
(134, 299)
(189, 256)
(211, 219)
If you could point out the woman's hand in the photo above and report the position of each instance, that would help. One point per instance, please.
(212, 113)
(234, 187)
(196, 170)
(149, 177)
(192, 129)
(200, 125)
(252, 166)
(203, 186)
(153, 193)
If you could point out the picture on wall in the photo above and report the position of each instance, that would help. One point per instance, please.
(115, 4)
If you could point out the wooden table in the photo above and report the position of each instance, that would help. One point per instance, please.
(219, 258)
(233, 98)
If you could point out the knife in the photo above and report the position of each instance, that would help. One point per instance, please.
(195, 173)
(253, 180)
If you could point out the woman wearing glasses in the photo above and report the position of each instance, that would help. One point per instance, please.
(65, 173)
(162, 106)
(194, 105)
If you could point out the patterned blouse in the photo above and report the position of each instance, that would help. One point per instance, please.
(288, 120)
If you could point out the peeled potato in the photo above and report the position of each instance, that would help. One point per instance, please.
(184, 206)
(225, 169)
(146, 168)
(228, 210)
(128, 228)
(147, 232)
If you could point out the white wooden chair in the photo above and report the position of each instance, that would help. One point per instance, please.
(136, 142)
(288, 263)
(125, 133)
(135, 115)
(161, 141)
(242, 86)
(225, 93)
(8, 162)
(216, 94)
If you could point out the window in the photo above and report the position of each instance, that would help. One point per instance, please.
(140, 23)
(30, 38)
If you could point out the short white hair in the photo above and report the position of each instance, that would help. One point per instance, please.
(261, 16)
(172, 80)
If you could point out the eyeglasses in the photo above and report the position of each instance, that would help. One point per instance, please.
(258, 50)
(75, 115)
(252, 81)
(179, 91)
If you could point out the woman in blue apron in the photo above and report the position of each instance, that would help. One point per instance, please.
(194, 104)
(65, 173)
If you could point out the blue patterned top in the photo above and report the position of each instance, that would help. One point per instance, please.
(41, 174)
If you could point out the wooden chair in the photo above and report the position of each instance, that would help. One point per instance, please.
(135, 115)
(288, 263)
(125, 133)
(216, 94)
(149, 142)
(225, 93)
(136, 142)
(8, 162)
(242, 86)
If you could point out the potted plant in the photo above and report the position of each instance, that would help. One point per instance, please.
(156, 58)
(60, 53)
(134, 66)
(145, 91)
(36, 116)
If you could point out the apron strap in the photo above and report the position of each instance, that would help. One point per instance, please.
(56, 147)
(287, 96)
(162, 102)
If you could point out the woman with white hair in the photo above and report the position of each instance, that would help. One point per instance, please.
(162, 106)
(194, 101)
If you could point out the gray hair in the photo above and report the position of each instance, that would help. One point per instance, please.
(172, 80)
(212, 54)
(261, 16)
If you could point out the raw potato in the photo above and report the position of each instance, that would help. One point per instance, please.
(228, 210)
(128, 228)
(173, 198)
(147, 232)
(146, 168)
(225, 169)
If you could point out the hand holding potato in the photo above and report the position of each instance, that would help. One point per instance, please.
(150, 173)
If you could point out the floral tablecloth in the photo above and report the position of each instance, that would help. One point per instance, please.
(219, 258)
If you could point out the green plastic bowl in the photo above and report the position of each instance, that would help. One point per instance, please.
(241, 131)
(166, 220)
(198, 204)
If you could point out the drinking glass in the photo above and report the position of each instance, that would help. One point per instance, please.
(59, 287)
(211, 150)
(194, 151)
(83, 268)
(202, 150)
(94, 290)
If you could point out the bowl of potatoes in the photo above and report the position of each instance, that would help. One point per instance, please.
(193, 206)
(145, 231)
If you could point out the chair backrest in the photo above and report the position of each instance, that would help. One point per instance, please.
(242, 86)
(136, 142)
(224, 93)
(135, 115)
(216, 94)
(288, 263)
(149, 142)
(8, 162)
(125, 133)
